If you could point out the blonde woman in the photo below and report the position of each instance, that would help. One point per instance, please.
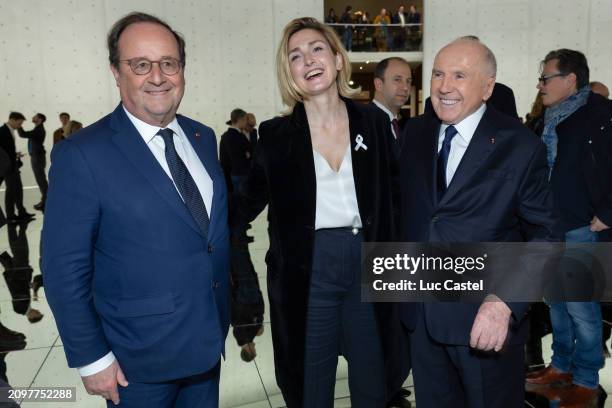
(323, 170)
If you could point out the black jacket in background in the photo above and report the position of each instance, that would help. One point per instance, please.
(581, 180)
(235, 154)
(7, 143)
(36, 139)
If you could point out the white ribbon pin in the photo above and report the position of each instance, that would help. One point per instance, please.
(359, 141)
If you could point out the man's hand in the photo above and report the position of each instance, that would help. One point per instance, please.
(490, 327)
(597, 225)
(104, 383)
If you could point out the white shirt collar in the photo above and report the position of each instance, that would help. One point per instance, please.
(148, 132)
(384, 108)
(467, 127)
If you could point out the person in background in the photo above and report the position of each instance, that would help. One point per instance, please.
(59, 133)
(599, 88)
(347, 33)
(38, 156)
(14, 187)
(72, 127)
(382, 33)
(393, 82)
(578, 138)
(251, 130)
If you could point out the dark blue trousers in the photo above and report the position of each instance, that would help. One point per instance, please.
(338, 322)
(196, 391)
(456, 376)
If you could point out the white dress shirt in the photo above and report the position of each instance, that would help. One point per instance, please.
(389, 113)
(336, 196)
(459, 144)
(198, 172)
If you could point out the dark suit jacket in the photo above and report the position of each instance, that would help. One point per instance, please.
(581, 180)
(126, 266)
(498, 188)
(7, 143)
(235, 154)
(36, 139)
(502, 99)
(283, 177)
(396, 144)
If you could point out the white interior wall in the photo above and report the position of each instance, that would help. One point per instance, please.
(53, 57)
(520, 33)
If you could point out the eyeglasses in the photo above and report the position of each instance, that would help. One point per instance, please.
(544, 78)
(142, 66)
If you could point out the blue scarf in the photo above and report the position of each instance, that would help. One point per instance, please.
(557, 114)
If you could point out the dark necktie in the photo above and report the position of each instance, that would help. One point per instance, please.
(185, 183)
(396, 129)
(449, 133)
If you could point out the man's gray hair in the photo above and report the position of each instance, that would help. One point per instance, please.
(489, 56)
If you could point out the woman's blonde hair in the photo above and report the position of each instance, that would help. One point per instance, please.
(290, 93)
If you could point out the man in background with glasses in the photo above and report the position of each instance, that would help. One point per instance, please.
(578, 137)
(135, 241)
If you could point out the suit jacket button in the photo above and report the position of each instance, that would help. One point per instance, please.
(435, 219)
(210, 249)
(215, 284)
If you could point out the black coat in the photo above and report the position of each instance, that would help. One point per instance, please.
(36, 139)
(582, 174)
(235, 154)
(7, 143)
(283, 177)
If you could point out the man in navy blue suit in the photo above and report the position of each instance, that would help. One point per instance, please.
(470, 174)
(135, 238)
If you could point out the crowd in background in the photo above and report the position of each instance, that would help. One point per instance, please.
(386, 31)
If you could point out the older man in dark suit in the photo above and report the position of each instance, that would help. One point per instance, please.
(470, 174)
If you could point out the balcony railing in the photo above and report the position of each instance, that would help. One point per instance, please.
(380, 37)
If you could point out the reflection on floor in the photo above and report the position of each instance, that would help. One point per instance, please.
(38, 359)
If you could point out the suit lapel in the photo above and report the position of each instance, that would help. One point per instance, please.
(302, 156)
(131, 144)
(363, 172)
(478, 151)
(428, 147)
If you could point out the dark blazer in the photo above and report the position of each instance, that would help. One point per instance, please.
(581, 180)
(396, 144)
(127, 269)
(36, 139)
(283, 177)
(7, 143)
(502, 99)
(235, 154)
(500, 185)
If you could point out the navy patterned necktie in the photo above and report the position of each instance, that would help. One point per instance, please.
(185, 183)
(449, 133)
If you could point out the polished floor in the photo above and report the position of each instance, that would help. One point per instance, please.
(40, 362)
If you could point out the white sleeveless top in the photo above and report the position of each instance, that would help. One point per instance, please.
(336, 196)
